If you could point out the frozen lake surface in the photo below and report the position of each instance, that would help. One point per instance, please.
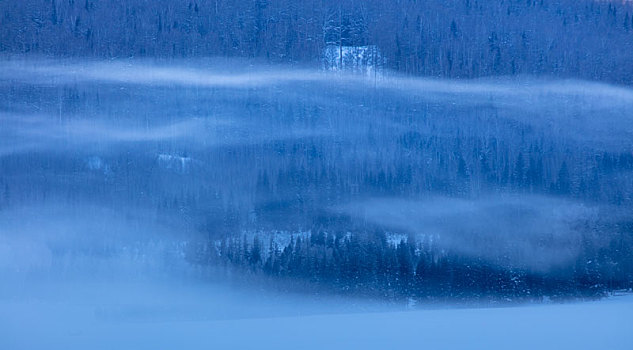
(183, 316)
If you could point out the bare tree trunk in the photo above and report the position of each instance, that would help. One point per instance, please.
(340, 38)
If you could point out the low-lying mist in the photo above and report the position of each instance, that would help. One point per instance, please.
(112, 172)
(74, 237)
(586, 112)
(538, 232)
(74, 268)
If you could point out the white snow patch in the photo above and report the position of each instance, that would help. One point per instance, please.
(359, 59)
(173, 162)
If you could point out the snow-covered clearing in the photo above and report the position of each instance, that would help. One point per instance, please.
(182, 316)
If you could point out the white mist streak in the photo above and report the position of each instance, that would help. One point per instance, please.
(536, 232)
(244, 76)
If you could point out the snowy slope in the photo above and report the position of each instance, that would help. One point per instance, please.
(180, 318)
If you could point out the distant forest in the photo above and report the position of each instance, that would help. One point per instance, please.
(440, 38)
(239, 164)
(365, 263)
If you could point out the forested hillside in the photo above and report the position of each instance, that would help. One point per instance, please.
(232, 174)
(455, 38)
(516, 189)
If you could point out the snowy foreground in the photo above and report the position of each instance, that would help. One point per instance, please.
(140, 316)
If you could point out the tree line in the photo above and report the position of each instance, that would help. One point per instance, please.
(366, 263)
(441, 38)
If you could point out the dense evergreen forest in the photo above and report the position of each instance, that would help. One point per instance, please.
(519, 191)
(441, 38)
(366, 263)
(230, 121)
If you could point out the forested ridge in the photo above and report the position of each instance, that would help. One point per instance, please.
(366, 263)
(440, 38)
(496, 201)
(487, 156)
